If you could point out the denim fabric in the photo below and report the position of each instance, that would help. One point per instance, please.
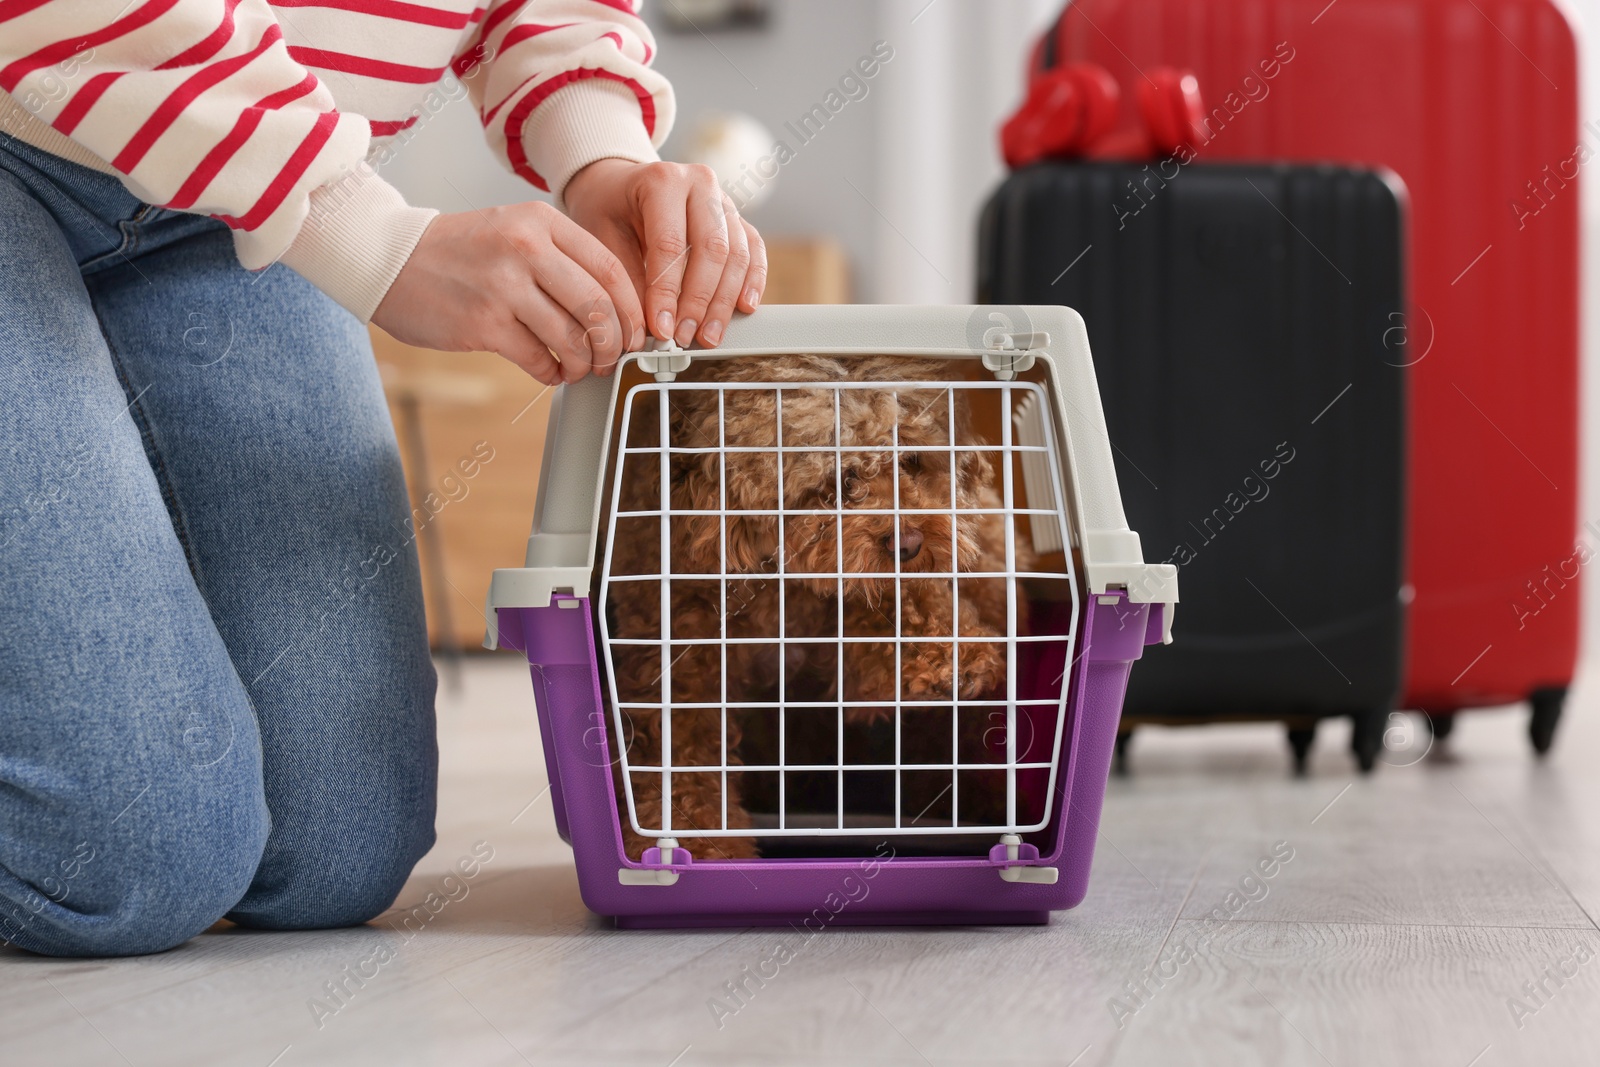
(215, 691)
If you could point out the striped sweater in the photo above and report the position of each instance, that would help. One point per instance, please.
(270, 116)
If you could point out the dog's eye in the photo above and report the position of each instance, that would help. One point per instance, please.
(911, 464)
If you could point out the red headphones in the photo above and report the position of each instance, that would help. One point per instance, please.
(1070, 111)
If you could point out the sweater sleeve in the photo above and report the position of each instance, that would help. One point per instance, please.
(198, 106)
(562, 83)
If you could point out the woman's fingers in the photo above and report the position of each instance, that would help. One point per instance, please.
(666, 250)
(755, 282)
(558, 331)
(701, 261)
(613, 317)
(522, 346)
(572, 315)
(665, 253)
(731, 286)
(709, 243)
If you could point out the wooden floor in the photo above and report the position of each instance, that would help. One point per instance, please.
(1416, 906)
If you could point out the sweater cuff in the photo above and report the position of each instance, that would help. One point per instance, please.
(595, 118)
(358, 234)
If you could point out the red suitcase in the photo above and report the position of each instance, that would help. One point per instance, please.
(1474, 103)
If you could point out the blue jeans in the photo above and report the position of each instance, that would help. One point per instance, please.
(216, 698)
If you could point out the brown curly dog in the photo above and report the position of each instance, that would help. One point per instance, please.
(841, 549)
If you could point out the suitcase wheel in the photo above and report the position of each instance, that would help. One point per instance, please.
(1547, 705)
(1366, 737)
(1441, 725)
(1119, 764)
(1300, 740)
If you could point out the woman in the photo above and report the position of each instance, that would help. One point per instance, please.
(215, 691)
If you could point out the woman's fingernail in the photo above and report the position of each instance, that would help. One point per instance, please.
(713, 332)
(752, 297)
(664, 324)
(686, 330)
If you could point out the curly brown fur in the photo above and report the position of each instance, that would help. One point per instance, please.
(847, 563)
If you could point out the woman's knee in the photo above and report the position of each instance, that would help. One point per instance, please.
(136, 814)
(142, 891)
(347, 871)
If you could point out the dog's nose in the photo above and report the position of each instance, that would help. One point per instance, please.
(910, 543)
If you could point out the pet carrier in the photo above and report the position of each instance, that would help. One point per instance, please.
(832, 625)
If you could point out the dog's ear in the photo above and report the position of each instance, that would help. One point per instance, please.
(702, 537)
(752, 544)
(701, 473)
(973, 472)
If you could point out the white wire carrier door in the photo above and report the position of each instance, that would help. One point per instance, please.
(752, 637)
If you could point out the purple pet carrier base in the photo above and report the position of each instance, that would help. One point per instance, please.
(559, 643)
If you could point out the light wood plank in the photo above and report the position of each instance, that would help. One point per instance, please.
(1415, 905)
(1311, 994)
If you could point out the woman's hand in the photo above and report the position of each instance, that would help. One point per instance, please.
(681, 240)
(524, 281)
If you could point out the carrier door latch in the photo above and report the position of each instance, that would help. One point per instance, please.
(664, 359)
(1011, 855)
(655, 860)
(1007, 354)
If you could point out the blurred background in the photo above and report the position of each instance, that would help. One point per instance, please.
(879, 206)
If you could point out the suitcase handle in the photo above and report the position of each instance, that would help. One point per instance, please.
(1069, 112)
(1065, 110)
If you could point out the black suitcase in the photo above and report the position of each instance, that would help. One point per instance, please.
(1248, 331)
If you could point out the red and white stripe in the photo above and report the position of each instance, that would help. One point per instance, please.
(241, 108)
